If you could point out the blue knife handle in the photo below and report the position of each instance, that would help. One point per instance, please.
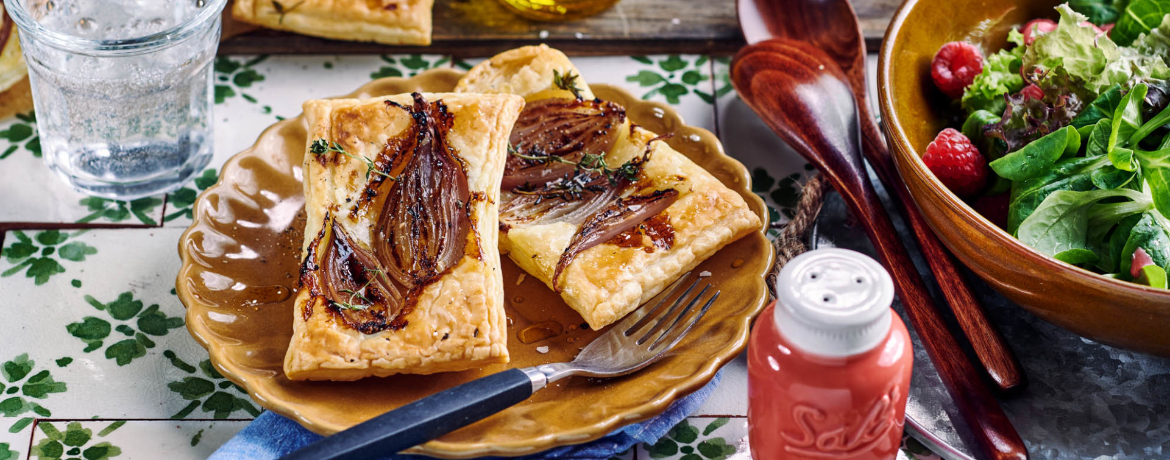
(423, 420)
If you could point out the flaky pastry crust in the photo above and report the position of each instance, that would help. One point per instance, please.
(459, 321)
(393, 22)
(606, 282)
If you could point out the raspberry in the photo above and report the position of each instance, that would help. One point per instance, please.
(994, 208)
(1035, 28)
(956, 162)
(1032, 92)
(955, 66)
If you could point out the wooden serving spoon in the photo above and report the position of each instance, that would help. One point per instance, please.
(801, 93)
(832, 26)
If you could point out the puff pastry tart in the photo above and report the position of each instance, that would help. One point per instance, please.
(602, 211)
(400, 271)
(393, 22)
(12, 68)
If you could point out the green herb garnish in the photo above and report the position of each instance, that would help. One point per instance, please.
(589, 162)
(321, 147)
(357, 295)
(567, 82)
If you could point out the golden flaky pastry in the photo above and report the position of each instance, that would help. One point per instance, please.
(606, 281)
(383, 291)
(12, 67)
(15, 94)
(393, 22)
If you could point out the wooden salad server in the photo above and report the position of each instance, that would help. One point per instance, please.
(801, 93)
(832, 26)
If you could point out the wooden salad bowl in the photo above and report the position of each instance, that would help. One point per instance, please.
(1110, 311)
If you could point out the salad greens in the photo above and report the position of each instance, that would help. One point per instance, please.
(1000, 76)
(1074, 48)
(1140, 17)
(1099, 12)
(1087, 163)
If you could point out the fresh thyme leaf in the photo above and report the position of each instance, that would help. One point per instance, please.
(357, 295)
(567, 82)
(590, 162)
(321, 147)
(281, 10)
(630, 170)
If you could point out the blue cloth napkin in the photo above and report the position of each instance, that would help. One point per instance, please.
(271, 436)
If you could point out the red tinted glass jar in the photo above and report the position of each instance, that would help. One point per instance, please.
(829, 363)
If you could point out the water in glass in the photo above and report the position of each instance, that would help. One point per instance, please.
(122, 90)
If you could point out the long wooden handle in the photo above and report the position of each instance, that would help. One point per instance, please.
(993, 352)
(994, 433)
(804, 97)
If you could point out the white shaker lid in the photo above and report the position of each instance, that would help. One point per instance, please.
(834, 302)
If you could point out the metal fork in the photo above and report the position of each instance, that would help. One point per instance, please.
(643, 337)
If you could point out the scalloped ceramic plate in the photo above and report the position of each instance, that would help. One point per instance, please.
(240, 261)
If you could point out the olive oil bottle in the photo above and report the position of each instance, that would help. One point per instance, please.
(558, 10)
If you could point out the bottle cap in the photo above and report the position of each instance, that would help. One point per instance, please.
(834, 302)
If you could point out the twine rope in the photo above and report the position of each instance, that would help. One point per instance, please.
(790, 243)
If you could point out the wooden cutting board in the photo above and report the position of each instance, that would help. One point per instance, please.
(473, 28)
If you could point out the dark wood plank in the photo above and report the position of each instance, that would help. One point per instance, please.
(477, 28)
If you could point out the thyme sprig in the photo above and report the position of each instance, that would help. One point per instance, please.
(590, 162)
(321, 147)
(349, 304)
(567, 82)
(281, 10)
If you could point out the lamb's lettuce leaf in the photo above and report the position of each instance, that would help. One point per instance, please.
(1102, 107)
(1139, 17)
(1155, 168)
(1039, 156)
(1099, 12)
(1061, 222)
(1152, 236)
(1073, 174)
(1127, 118)
(1098, 143)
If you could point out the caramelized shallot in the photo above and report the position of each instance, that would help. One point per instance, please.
(357, 289)
(564, 128)
(422, 231)
(618, 217)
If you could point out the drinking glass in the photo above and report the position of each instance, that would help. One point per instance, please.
(122, 89)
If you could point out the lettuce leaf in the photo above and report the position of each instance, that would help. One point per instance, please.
(1156, 42)
(1001, 75)
(1132, 67)
(1139, 17)
(1074, 47)
(1100, 12)
(1027, 119)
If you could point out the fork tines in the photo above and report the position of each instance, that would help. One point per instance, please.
(669, 327)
